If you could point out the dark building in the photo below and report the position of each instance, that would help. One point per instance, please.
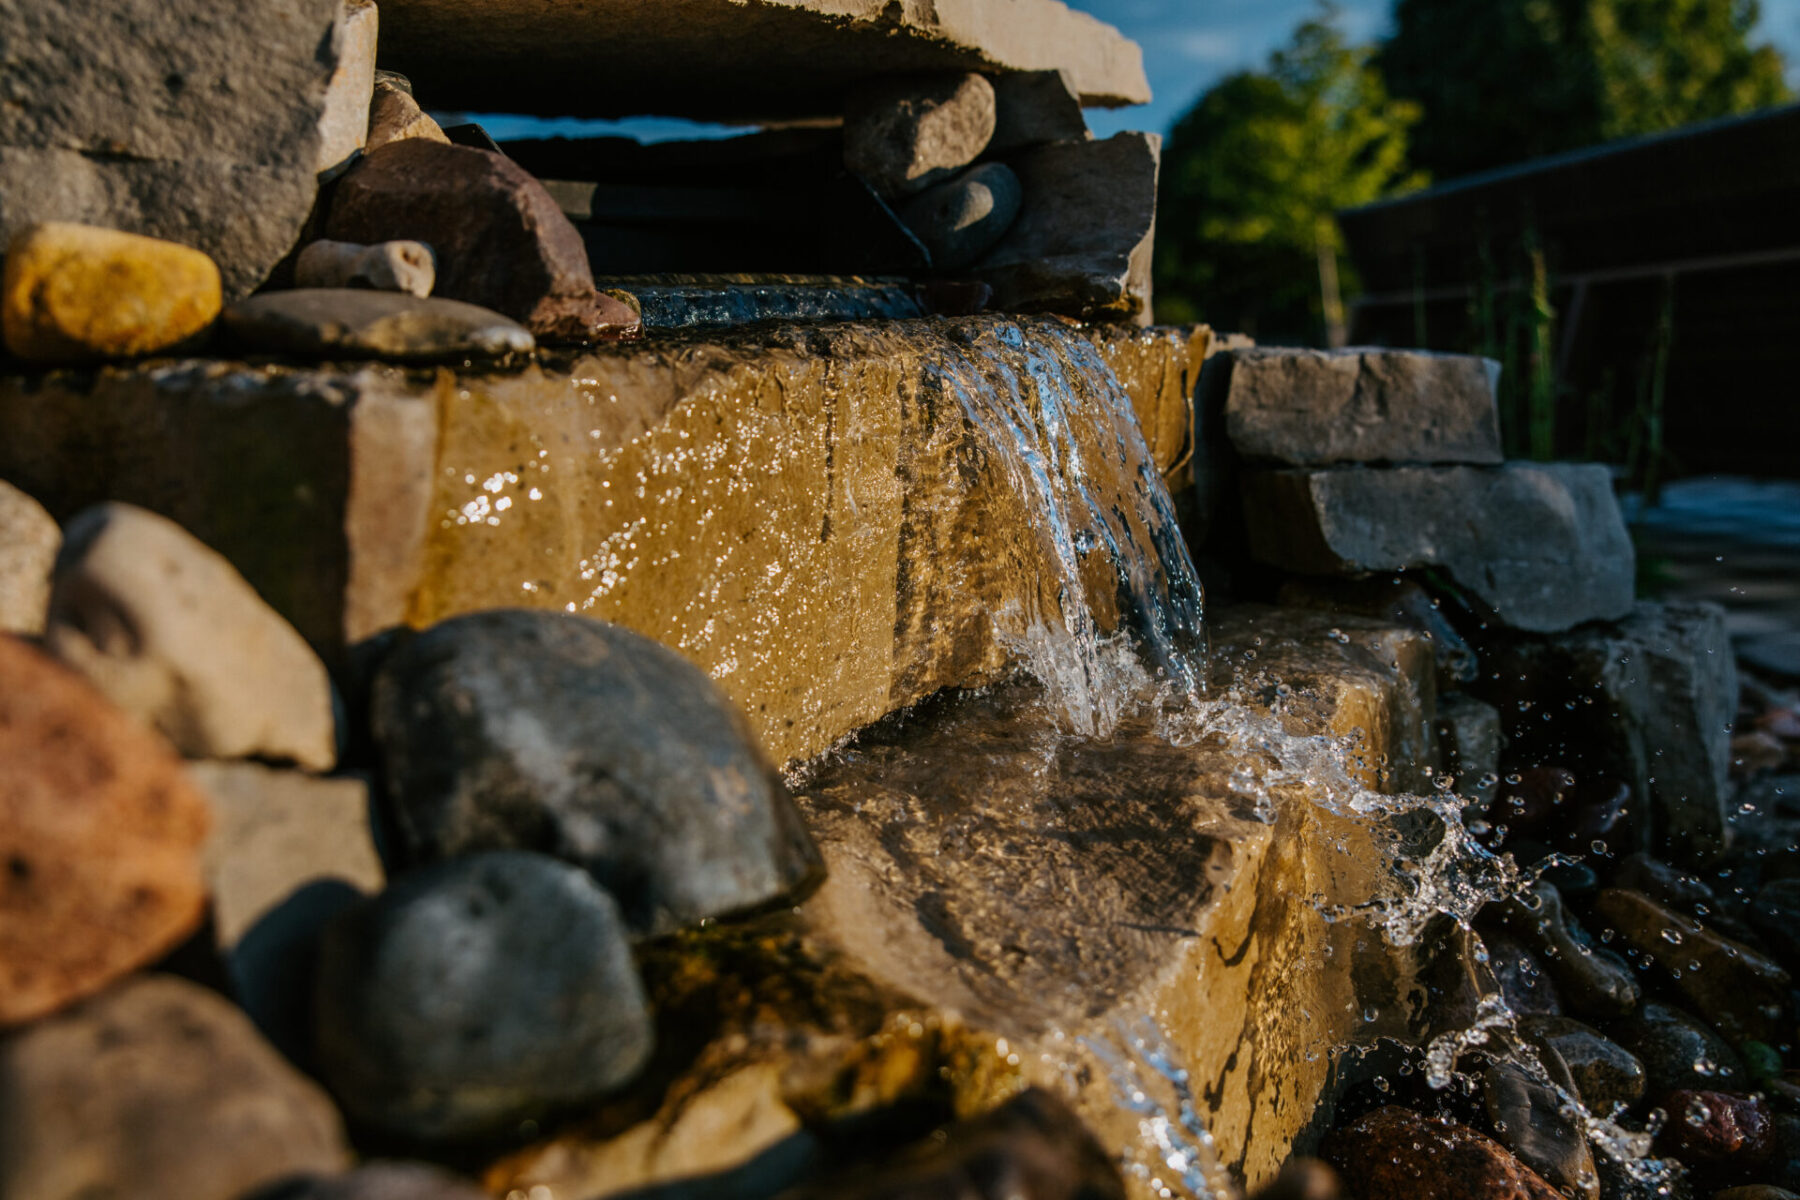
(1671, 267)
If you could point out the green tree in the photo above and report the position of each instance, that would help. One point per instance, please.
(1501, 81)
(1253, 174)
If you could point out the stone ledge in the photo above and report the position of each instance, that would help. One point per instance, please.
(733, 59)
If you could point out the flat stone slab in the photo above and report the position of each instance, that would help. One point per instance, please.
(1310, 408)
(1541, 544)
(733, 59)
(833, 522)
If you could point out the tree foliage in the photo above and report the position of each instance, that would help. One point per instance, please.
(1501, 81)
(1253, 173)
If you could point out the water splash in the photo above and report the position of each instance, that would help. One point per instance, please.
(1175, 1148)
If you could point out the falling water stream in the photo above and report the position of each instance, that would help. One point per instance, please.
(1054, 426)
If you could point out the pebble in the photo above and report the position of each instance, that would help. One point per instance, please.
(1590, 980)
(29, 539)
(394, 116)
(408, 267)
(904, 135)
(476, 994)
(1524, 982)
(1030, 1148)
(502, 241)
(100, 836)
(358, 323)
(1677, 1051)
(1605, 1074)
(544, 730)
(1394, 1152)
(170, 632)
(963, 219)
(377, 1181)
(158, 1090)
(1744, 993)
(77, 293)
(288, 852)
(1527, 1118)
(1717, 1128)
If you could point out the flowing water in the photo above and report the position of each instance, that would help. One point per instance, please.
(974, 781)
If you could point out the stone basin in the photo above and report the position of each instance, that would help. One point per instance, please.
(835, 521)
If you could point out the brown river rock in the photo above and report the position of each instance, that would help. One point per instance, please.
(100, 837)
(1393, 1152)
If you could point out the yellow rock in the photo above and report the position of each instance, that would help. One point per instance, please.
(75, 292)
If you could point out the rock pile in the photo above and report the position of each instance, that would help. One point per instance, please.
(488, 984)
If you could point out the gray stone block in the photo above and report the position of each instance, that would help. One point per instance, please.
(199, 124)
(1649, 700)
(1543, 545)
(1310, 408)
(1083, 240)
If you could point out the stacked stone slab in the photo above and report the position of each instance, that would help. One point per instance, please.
(1359, 461)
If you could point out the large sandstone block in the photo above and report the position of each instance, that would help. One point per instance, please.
(1649, 700)
(198, 124)
(1083, 241)
(1541, 544)
(832, 522)
(1007, 905)
(1310, 408)
(714, 59)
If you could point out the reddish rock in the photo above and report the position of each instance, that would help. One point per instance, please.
(501, 241)
(1395, 1152)
(100, 836)
(1717, 1129)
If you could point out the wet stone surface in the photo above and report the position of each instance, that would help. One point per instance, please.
(1678, 1051)
(338, 322)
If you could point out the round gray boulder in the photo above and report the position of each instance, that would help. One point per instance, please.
(524, 729)
(476, 994)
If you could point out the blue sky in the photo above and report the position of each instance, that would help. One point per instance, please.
(1190, 43)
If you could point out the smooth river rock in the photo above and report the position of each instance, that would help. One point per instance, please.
(200, 125)
(74, 293)
(157, 1089)
(409, 267)
(1395, 1152)
(1592, 981)
(1678, 1051)
(1743, 993)
(100, 836)
(545, 731)
(1085, 235)
(1650, 700)
(501, 241)
(476, 994)
(339, 322)
(905, 134)
(961, 219)
(1528, 1118)
(1315, 408)
(1541, 544)
(29, 540)
(1718, 1129)
(169, 630)
(1605, 1074)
